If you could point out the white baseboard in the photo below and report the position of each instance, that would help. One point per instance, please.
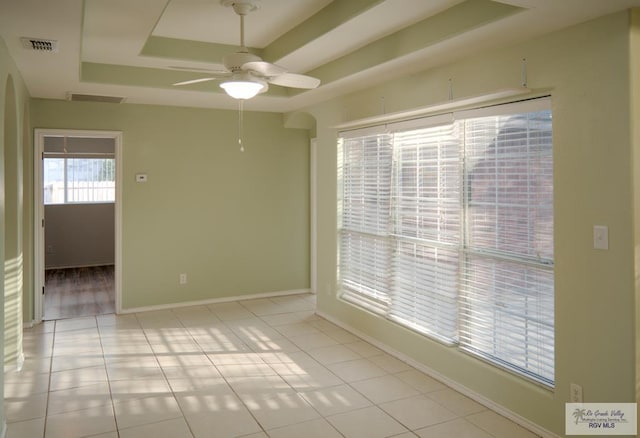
(90, 265)
(490, 404)
(15, 366)
(215, 300)
(20, 361)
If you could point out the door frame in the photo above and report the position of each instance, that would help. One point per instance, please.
(38, 216)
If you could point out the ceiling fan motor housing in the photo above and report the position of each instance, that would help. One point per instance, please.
(234, 61)
(242, 7)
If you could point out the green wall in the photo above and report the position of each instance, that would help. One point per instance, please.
(237, 223)
(586, 71)
(14, 120)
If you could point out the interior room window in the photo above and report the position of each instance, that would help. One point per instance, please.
(446, 227)
(69, 180)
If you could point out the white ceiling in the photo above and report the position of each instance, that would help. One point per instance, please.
(137, 49)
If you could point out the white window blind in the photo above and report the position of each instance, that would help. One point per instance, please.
(426, 230)
(507, 312)
(448, 230)
(366, 204)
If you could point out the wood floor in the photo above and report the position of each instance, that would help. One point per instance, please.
(74, 292)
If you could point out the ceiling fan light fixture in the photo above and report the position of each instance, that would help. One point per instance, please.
(243, 89)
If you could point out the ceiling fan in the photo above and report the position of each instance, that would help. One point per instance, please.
(248, 75)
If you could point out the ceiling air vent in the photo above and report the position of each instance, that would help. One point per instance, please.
(93, 98)
(39, 45)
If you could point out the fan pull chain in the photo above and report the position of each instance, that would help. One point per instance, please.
(240, 123)
(384, 113)
(524, 72)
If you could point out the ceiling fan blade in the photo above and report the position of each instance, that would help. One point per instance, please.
(194, 81)
(294, 80)
(264, 68)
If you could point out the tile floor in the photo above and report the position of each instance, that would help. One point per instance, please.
(254, 369)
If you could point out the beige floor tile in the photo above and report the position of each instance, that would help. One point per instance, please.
(124, 371)
(499, 426)
(369, 422)
(76, 324)
(264, 368)
(78, 398)
(296, 329)
(246, 370)
(183, 360)
(263, 306)
(81, 423)
(38, 347)
(230, 311)
(71, 362)
(341, 335)
(168, 347)
(356, 370)
(77, 377)
(333, 354)
(384, 389)
(271, 345)
(131, 389)
(319, 428)
(34, 365)
(23, 429)
(420, 381)
(278, 410)
(36, 385)
(313, 340)
(364, 349)
(417, 412)
(118, 322)
(174, 428)
(456, 402)
(217, 400)
(335, 400)
(259, 385)
(106, 435)
(199, 372)
(25, 408)
(458, 428)
(389, 363)
(235, 358)
(222, 424)
(312, 378)
(188, 385)
(289, 318)
(137, 412)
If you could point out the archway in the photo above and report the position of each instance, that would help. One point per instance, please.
(12, 175)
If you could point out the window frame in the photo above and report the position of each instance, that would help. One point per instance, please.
(66, 157)
(465, 251)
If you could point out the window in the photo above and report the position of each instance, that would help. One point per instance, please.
(446, 227)
(78, 180)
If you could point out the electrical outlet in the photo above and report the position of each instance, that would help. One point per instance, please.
(575, 393)
(183, 278)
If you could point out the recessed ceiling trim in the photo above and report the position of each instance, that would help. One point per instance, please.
(441, 107)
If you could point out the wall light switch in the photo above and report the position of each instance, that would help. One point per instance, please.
(600, 237)
(141, 177)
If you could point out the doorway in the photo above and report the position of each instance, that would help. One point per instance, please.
(78, 187)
